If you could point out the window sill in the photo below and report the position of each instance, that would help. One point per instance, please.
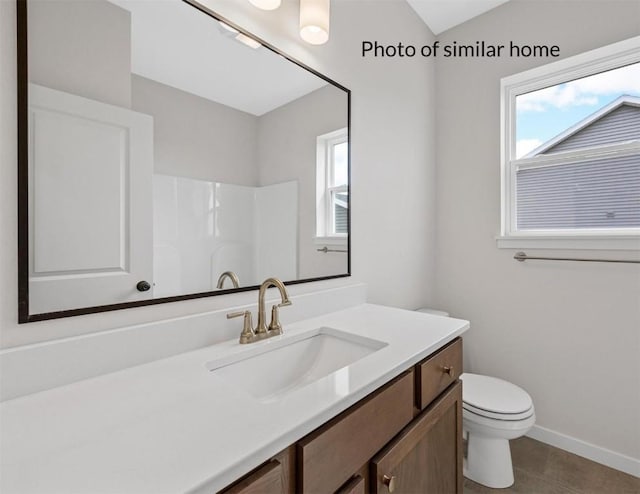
(626, 242)
(341, 241)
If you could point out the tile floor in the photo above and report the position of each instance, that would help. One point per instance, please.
(543, 469)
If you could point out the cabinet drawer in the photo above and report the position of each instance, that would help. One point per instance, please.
(267, 479)
(355, 485)
(328, 457)
(438, 372)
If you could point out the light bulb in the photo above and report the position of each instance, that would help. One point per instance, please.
(314, 21)
(266, 4)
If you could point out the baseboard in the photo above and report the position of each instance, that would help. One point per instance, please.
(590, 451)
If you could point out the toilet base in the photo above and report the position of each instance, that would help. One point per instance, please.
(488, 461)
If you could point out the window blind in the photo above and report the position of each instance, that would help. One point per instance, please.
(341, 212)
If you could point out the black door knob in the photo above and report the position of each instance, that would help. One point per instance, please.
(143, 286)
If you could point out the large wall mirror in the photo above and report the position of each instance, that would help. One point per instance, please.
(166, 154)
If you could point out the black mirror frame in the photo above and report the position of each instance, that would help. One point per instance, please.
(23, 182)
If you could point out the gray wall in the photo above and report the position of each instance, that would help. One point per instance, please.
(287, 151)
(567, 332)
(198, 138)
(81, 48)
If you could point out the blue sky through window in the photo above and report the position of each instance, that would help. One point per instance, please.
(545, 113)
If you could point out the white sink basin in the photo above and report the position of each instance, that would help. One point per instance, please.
(275, 367)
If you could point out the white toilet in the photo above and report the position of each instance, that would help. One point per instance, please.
(493, 412)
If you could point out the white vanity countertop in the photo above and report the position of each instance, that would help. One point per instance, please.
(172, 426)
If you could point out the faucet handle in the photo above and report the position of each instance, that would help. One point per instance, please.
(274, 326)
(247, 335)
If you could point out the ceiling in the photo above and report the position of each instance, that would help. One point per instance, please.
(441, 15)
(179, 46)
(176, 45)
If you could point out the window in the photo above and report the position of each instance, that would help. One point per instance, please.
(571, 152)
(332, 187)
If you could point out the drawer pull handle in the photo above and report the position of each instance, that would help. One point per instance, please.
(448, 370)
(390, 482)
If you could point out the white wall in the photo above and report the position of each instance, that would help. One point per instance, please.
(567, 332)
(393, 149)
(276, 231)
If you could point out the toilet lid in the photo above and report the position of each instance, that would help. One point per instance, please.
(508, 417)
(490, 394)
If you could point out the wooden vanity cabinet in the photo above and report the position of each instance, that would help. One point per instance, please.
(405, 437)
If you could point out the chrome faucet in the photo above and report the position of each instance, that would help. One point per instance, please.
(232, 276)
(249, 335)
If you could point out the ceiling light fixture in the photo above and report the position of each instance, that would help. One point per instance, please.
(314, 21)
(227, 27)
(250, 42)
(229, 32)
(266, 4)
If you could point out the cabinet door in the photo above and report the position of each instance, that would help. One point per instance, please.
(427, 455)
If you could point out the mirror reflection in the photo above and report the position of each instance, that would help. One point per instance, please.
(171, 154)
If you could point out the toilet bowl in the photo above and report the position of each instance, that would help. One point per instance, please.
(493, 412)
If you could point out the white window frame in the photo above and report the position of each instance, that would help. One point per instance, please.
(324, 176)
(589, 63)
